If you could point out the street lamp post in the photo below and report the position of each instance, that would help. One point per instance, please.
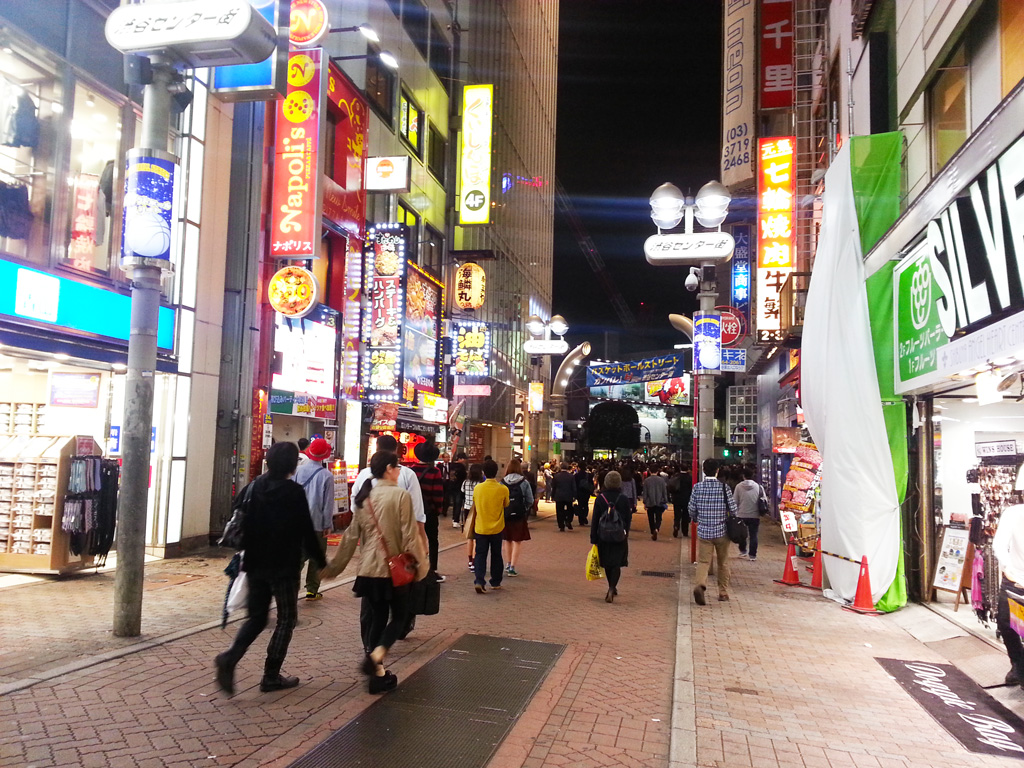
(669, 207)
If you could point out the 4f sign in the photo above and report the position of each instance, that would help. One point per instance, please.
(475, 160)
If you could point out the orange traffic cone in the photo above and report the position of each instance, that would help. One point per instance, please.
(816, 576)
(790, 577)
(862, 602)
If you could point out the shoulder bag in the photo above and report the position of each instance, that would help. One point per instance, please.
(762, 502)
(402, 566)
(735, 528)
(232, 536)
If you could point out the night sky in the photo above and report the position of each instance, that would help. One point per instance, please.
(639, 88)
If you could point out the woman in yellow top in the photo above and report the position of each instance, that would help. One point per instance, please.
(383, 525)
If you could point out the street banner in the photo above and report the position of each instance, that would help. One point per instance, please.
(739, 95)
(648, 369)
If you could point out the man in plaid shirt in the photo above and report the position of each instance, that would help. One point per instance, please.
(710, 504)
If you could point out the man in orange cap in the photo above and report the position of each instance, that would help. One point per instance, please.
(318, 483)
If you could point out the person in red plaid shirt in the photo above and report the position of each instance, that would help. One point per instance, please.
(432, 487)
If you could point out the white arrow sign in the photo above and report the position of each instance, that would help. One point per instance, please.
(684, 248)
(196, 33)
(546, 347)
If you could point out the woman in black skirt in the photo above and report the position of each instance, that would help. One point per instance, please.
(383, 526)
(614, 556)
(517, 530)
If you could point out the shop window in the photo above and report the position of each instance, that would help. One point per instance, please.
(437, 150)
(432, 250)
(95, 144)
(406, 215)
(416, 20)
(31, 118)
(380, 85)
(440, 58)
(1011, 43)
(328, 150)
(947, 109)
(410, 121)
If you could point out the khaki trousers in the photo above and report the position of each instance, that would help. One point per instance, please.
(705, 549)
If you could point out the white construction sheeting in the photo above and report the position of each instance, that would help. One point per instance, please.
(860, 513)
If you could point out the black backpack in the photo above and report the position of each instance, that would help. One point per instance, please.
(610, 528)
(516, 509)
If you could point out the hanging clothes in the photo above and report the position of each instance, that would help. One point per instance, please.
(90, 506)
(21, 129)
(15, 213)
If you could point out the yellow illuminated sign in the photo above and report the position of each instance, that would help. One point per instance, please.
(475, 168)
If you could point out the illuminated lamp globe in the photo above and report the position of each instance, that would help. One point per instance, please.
(388, 59)
(470, 286)
(369, 33)
(535, 325)
(558, 325)
(667, 206)
(712, 204)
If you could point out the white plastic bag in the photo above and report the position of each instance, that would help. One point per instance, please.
(239, 594)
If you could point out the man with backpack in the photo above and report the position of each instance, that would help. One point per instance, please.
(520, 501)
(318, 483)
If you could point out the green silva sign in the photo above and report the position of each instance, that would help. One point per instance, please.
(919, 332)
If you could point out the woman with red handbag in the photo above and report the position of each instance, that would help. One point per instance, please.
(392, 556)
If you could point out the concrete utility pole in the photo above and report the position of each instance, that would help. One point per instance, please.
(145, 276)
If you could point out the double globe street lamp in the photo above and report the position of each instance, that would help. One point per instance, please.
(702, 251)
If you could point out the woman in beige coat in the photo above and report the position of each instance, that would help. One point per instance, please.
(383, 511)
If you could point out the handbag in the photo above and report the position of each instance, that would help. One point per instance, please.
(232, 536)
(469, 526)
(735, 528)
(425, 598)
(402, 566)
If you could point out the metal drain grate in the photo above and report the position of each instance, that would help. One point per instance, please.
(659, 574)
(453, 712)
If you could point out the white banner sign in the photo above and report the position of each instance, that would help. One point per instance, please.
(738, 94)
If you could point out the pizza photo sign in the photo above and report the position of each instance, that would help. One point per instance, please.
(293, 291)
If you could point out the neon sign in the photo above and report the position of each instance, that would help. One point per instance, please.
(775, 257)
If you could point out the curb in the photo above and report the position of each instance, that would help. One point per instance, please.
(683, 732)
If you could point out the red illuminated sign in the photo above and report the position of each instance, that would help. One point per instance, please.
(294, 219)
(775, 254)
(776, 77)
(83, 221)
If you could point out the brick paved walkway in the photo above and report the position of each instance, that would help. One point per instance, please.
(777, 677)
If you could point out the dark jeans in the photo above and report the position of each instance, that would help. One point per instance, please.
(1014, 647)
(563, 514)
(459, 501)
(262, 588)
(583, 506)
(752, 523)
(387, 618)
(492, 542)
(654, 517)
(431, 528)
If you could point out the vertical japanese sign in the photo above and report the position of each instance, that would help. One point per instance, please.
(738, 93)
(350, 324)
(295, 209)
(475, 165)
(741, 272)
(536, 396)
(82, 245)
(777, 33)
(149, 187)
(519, 425)
(471, 348)
(344, 197)
(385, 266)
(775, 256)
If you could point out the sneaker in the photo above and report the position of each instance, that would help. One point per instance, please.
(569, 526)
(480, 589)
(225, 674)
(440, 579)
(743, 553)
(495, 586)
(455, 524)
(1012, 678)
(698, 595)
(471, 566)
(511, 571)
(314, 595)
(654, 535)
(277, 683)
(752, 559)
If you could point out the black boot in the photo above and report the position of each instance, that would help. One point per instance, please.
(277, 682)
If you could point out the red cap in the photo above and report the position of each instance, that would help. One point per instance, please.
(319, 450)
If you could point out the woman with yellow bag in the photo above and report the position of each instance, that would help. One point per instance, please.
(609, 531)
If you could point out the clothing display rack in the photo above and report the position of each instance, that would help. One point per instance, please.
(90, 506)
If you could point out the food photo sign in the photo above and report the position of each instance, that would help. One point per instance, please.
(421, 333)
(471, 348)
(381, 375)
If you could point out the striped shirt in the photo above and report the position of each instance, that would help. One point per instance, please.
(710, 504)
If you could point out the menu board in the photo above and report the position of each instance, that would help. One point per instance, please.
(421, 334)
(949, 569)
(802, 479)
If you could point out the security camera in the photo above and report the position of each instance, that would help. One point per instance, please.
(692, 280)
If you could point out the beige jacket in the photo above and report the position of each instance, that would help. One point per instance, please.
(393, 509)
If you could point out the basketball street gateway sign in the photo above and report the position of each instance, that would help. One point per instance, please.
(959, 291)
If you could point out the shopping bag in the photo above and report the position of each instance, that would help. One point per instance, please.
(594, 569)
(239, 593)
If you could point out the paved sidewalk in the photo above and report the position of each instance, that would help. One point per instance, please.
(776, 677)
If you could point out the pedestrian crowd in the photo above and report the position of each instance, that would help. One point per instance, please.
(393, 521)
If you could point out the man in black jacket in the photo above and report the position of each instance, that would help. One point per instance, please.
(276, 531)
(563, 491)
